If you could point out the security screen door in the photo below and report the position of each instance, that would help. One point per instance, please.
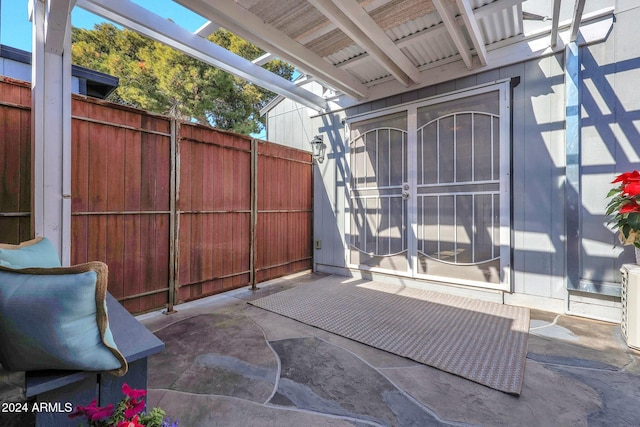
(379, 217)
(429, 189)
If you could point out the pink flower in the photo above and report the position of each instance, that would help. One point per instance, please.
(134, 407)
(132, 393)
(93, 412)
(102, 413)
(132, 423)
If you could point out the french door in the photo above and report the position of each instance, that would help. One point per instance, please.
(429, 189)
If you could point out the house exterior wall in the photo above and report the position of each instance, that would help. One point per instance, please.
(609, 106)
(20, 71)
(289, 123)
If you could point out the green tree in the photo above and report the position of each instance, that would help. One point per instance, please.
(157, 78)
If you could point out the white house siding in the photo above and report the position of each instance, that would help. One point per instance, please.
(15, 70)
(21, 71)
(610, 116)
(538, 169)
(610, 144)
(289, 123)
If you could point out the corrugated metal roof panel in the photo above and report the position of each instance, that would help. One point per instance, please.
(414, 26)
(502, 25)
(345, 54)
(367, 70)
(433, 48)
(427, 41)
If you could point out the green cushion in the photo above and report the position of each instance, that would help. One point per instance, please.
(56, 318)
(38, 252)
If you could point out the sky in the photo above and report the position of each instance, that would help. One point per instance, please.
(15, 28)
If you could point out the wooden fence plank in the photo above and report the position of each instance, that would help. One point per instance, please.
(121, 179)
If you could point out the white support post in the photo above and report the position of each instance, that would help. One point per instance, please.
(51, 134)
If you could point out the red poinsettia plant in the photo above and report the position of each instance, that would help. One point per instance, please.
(624, 207)
(130, 412)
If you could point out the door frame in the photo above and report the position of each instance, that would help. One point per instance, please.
(503, 87)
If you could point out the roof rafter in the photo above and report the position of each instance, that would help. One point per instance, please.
(137, 18)
(263, 59)
(252, 28)
(555, 23)
(474, 30)
(479, 14)
(356, 23)
(495, 7)
(577, 18)
(57, 16)
(454, 31)
(207, 29)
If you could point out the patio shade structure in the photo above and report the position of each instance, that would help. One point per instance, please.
(358, 50)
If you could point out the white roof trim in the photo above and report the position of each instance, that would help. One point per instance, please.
(454, 31)
(594, 29)
(137, 18)
(474, 30)
(554, 22)
(252, 28)
(57, 16)
(207, 29)
(355, 22)
(577, 19)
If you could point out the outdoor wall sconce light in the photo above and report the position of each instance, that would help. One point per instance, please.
(318, 148)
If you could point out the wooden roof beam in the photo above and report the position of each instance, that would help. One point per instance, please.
(577, 18)
(207, 29)
(356, 23)
(57, 16)
(474, 30)
(252, 28)
(454, 31)
(137, 18)
(555, 22)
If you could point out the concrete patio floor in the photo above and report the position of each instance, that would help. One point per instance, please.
(228, 363)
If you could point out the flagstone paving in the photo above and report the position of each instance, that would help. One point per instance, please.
(227, 363)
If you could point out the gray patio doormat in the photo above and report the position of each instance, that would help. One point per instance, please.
(482, 341)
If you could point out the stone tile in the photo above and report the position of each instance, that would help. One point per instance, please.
(194, 410)
(547, 399)
(320, 377)
(218, 369)
(215, 354)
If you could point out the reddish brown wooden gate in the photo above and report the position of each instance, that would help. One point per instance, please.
(214, 207)
(178, 211)
(284, 212)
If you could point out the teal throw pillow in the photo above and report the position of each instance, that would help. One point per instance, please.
(56, 318)
(38, 252)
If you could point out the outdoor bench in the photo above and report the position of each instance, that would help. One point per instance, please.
(53, 394)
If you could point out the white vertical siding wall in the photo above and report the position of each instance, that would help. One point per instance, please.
(329, 193)
(538, 170)
(610, 143)
(289, 123)
(20, 71)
